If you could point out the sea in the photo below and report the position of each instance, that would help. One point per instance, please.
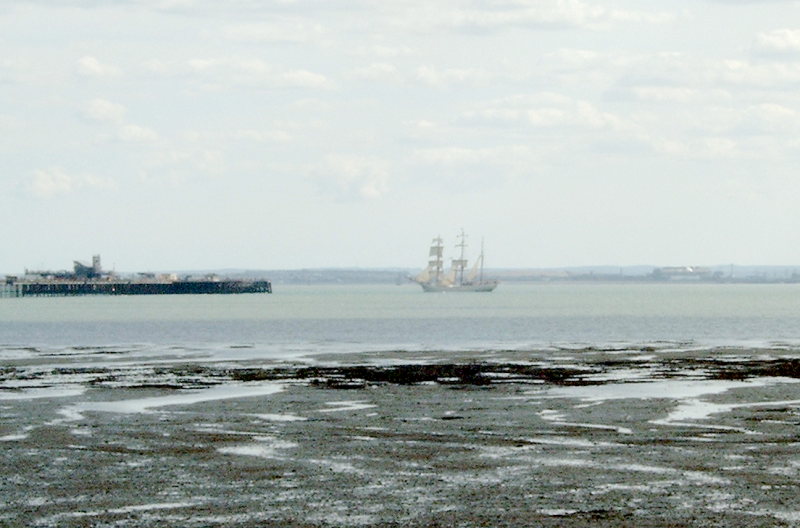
(304, 320)
(183, 410)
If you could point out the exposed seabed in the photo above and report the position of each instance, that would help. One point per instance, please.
(575, 437)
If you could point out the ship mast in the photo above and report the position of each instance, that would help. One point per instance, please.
(435, 261)
(461, 263)
(481, 275)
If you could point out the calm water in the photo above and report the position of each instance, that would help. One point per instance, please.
(303, 319)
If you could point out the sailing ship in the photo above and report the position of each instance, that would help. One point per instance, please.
(457, 278)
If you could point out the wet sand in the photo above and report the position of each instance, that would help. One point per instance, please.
(569, 438)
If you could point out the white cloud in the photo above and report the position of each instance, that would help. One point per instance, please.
(757, 75)
(378, 71)
(136, 134)
(107, 112)
(385, 51)
(303, 79)
(447, 76)
(54, 181)
(278, 30)
(424, 131)
(717, 147)
(255, 135)
(457, 169)
(424, 124)
(751, 132)
(703, 148)
(779, 41)
(684, 78)
(664, 69)
(201, 65)
(239, 70)
(92, 67)
(15, 70)
(573, 59)
(768, 119)
(104, 110)
(157, 66)
(180, 164)
(533, 14)
(250, 66)
(236, 64)
(174, 4)
(262, 136)
(353, 177)
(673, 94)
(226, 72)
(544, 110)
(776, 114)
(460, 156)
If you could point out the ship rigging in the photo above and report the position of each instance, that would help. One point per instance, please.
(458, 277)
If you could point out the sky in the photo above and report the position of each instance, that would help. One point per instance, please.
(277, 134)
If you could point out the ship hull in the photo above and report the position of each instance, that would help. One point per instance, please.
(477, 287)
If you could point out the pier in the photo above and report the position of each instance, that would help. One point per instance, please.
(57, 288)
(91, 279)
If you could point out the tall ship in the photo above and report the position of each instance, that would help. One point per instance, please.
(459, 277)
(91, 279)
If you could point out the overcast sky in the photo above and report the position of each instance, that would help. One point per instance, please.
(180, 134)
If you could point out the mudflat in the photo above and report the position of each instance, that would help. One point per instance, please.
(583, 437)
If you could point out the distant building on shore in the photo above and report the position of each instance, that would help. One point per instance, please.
(684, 273)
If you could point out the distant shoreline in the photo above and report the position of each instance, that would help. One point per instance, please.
(750, 275)
(600, 274)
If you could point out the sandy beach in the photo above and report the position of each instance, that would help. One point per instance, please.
(579, 437)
